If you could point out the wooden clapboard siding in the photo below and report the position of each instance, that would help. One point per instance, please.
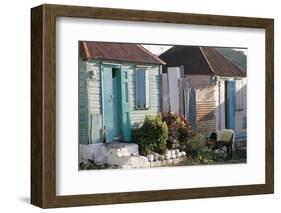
(220, 105)
(184, 97)
(199, 81)
(94, 100)
(165, 93)
(138, 115)
(173, 82)
(94, 103)
(205, 102)
(206, 110)
(83, 103)
(241, 114)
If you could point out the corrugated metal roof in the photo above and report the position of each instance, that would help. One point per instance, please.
(220, 65)
(117, 52)
(201, 61)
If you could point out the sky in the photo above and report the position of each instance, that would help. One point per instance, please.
(159, 49)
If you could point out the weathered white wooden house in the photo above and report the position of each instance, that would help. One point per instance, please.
(220, 87)
(118, 85)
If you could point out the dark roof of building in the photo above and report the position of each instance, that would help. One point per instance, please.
(117, 52)
(201, 61)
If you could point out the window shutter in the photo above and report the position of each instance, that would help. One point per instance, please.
(142, 88)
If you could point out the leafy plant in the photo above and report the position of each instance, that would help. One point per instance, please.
(197, 149)
(179, 130)
(151, 136)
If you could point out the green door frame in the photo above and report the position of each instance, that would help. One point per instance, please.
(122, 102)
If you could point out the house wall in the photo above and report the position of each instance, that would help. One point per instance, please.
(240, 113)
(154, 94)
(94, 104)
(220, 106)
(83, 103)
(205, 103)
(210, 104)
(199, 81)
(206, 110)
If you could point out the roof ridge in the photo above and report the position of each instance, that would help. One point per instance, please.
(151, 54)
(207, 60)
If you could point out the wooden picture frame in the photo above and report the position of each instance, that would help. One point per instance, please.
(43, 105)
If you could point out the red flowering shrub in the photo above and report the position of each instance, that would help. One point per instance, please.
(179, 130)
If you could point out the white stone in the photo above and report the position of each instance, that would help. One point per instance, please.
(178, 155)
(156, 164)
(170, 161)
(162, 157)
(183, 153)
(91, 151)
(130, 162)
(168, 152)
(122, 149)
(167, 156)
(150, 158)
(177, 160)
(156, 156)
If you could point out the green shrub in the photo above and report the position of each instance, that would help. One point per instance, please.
(151, 136)
(197, 149)
(179, 130)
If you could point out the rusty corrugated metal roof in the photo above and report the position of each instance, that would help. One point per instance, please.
(201, 61)
(117, 52)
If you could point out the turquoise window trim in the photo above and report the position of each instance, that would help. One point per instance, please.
(141, 88)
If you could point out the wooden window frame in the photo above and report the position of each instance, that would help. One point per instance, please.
(146, 85)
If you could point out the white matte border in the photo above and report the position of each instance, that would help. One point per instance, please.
(70, 181)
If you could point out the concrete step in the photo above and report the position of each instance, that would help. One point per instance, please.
(121, 149)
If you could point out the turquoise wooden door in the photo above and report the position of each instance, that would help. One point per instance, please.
(230, 97)
(116, 104)
(108, 103)
(124, 106)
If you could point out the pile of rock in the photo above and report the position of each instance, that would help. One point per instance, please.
(171, 157)
(123, 155)
(169, 154)
(126, 155)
